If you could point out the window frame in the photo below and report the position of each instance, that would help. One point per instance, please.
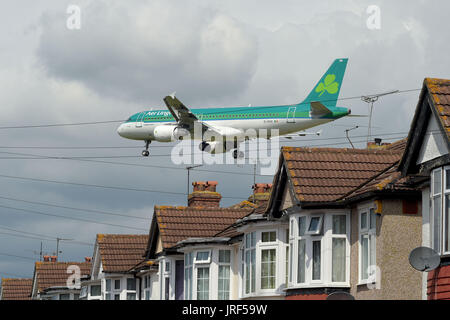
(319, 230)
(224, 264)
(371, 233)
(326, 241)
(444, 225)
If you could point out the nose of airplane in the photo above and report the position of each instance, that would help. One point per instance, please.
(120, 130)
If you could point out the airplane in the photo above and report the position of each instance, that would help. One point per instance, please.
(229, 124)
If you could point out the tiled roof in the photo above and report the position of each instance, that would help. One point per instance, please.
(329, 174)
(121, 252)
(439, 90)
(54, 274)
(180, 223)
(16, 289)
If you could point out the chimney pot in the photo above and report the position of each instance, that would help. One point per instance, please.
(53, 258)
(259, 187)
(378, 141)
(46, 258)
(211, 185)
(199, 185)
(87, 259)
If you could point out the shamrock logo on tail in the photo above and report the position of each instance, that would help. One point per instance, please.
(328, 85)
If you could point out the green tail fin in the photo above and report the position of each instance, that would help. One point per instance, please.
(327, 89)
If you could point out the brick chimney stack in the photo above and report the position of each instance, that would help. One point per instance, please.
(204, 194)
(261, 193)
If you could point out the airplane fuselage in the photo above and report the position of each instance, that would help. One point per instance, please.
(286, 119)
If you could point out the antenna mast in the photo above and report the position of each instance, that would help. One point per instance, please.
(370, 100)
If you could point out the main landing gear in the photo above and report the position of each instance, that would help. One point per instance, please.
(145, 152)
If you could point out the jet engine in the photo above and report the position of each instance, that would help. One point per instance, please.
(169, 133)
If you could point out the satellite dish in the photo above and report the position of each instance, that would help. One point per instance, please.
(424, 259)
(340, 295)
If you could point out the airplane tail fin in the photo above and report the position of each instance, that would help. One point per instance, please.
(327, 89)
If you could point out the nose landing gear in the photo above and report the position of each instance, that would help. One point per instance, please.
(146, 153)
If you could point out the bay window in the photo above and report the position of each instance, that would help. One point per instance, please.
(440, 210)
(320, 247)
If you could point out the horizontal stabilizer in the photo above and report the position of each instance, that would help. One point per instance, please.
(357, 115)
(318, 109)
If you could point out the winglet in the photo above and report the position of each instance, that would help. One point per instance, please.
(172, 95)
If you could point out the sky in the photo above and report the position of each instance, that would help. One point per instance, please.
(127, 55)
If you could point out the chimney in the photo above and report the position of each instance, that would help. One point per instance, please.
(261, 193)
(46, 258)
(377, 144)
(204, 194)
(53, 258)
(87, 259)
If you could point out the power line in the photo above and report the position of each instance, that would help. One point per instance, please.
(38, 236)
(70, 218)
(103, 186)
(16, 256)
(73, 208)
(221, 112)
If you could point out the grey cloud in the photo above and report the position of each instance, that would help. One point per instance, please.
(144, 50)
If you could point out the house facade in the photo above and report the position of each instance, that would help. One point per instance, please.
(54, 280)
(427, 162)
(110, 276)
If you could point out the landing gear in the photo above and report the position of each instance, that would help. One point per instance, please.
(145, 153)
(237, 154)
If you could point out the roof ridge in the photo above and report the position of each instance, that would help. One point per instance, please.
(385, 150)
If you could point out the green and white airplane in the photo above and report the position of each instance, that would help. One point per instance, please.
(231, 124)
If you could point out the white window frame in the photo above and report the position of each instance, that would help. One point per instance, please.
(443, 223)
(202, 261)
(369, 231)
(260, 246)
(127, 291)
(224, 264)
(319, 228)
(326, 238)
(252, 266)
(188, 275)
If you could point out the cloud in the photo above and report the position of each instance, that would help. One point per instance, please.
(146, 49)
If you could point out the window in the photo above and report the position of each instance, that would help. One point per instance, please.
(317, 258)
(131, 289)
(112, 288)
(338, 248)
(117, 284)
(96, 290)
(250, 267)
(440, 210)
(202, 257)
(224, 275)
(167, 266)
(131, 284)
(367, 232)
(269, 236)
(315, 225)
(319, 245)
(188, 262)
(203, 283)
(268, 266)
(147, 287)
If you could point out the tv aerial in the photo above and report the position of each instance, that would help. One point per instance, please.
(340, 295)
(370, 99)
(424, 259)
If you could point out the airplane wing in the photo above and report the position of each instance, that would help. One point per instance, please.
(318, 109)
(184, 117)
